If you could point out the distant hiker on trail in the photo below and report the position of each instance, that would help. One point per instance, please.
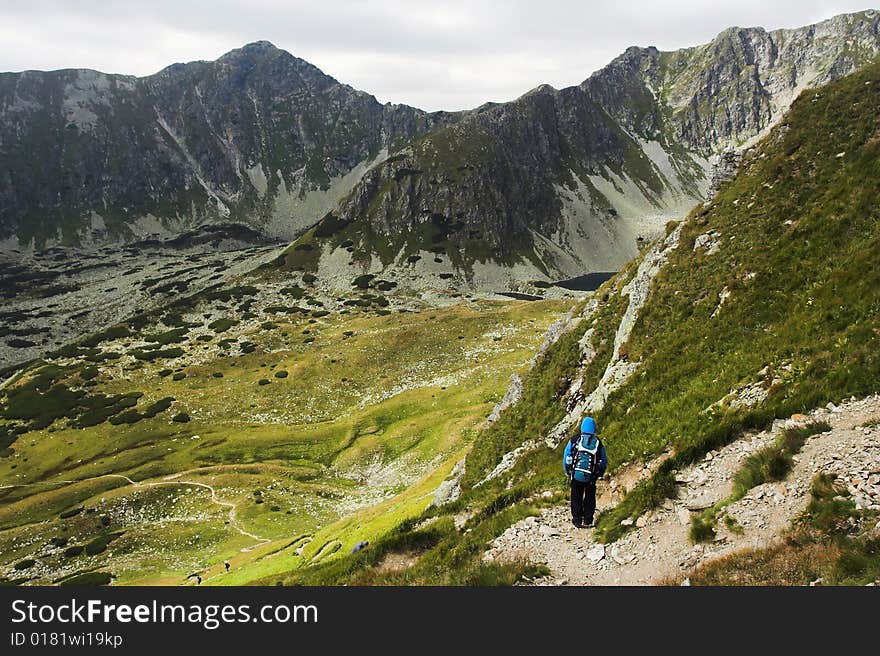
(226, 564)
(197, 577)
(584, 461)
(359, 546)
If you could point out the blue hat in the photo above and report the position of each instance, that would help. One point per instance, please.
(588, 425)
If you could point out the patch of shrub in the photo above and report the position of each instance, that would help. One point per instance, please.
(281, 374)
(88, 372)
(173, 336)
(127, 417)
(385, 285)
(363, 282)
(263, 381)
(222, 325)
(100, 544)
(88, 579)
(150, 355)
(173, 320)
(228, 294)
(181, 417)
(114, 332)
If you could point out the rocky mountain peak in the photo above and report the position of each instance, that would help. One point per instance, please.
(556, 183)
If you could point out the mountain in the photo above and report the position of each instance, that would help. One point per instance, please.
(555, 184)
(257, 137)
(559, 183)
(262, 417)
(731, 336)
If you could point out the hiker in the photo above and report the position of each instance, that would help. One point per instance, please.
(226, 564)
(584, 461)
(359, 546)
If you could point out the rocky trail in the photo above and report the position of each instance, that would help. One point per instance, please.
(658, 547)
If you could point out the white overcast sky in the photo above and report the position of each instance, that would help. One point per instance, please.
(455, 54)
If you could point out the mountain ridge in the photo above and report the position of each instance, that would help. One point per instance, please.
(563, 182)
(257, 136)
(265, 138)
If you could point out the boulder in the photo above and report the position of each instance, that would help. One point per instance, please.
(596, 553)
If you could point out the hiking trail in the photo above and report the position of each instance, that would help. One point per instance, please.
(658, 549)
(169, 480)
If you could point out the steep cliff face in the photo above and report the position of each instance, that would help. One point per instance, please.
(731, 90)
(562, 182)
(257, 136)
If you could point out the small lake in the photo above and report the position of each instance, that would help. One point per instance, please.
(589, 282)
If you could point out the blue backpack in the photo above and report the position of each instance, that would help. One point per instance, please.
(585, 458)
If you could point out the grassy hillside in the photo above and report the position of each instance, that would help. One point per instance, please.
(242, 423)
(766, 305)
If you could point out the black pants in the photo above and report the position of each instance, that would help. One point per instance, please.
(583, 502)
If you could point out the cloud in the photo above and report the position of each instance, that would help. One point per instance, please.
(454, 54)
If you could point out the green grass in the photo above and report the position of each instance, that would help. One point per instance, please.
(771, 463)
(307, 446)
(775, 461)
(830, 543)
(800, 252)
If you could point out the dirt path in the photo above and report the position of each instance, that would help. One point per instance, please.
(658, 547)
(214, 499)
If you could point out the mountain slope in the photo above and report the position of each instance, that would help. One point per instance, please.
(562, 182)
(763, 303)
(257, 136)
(239, 421)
